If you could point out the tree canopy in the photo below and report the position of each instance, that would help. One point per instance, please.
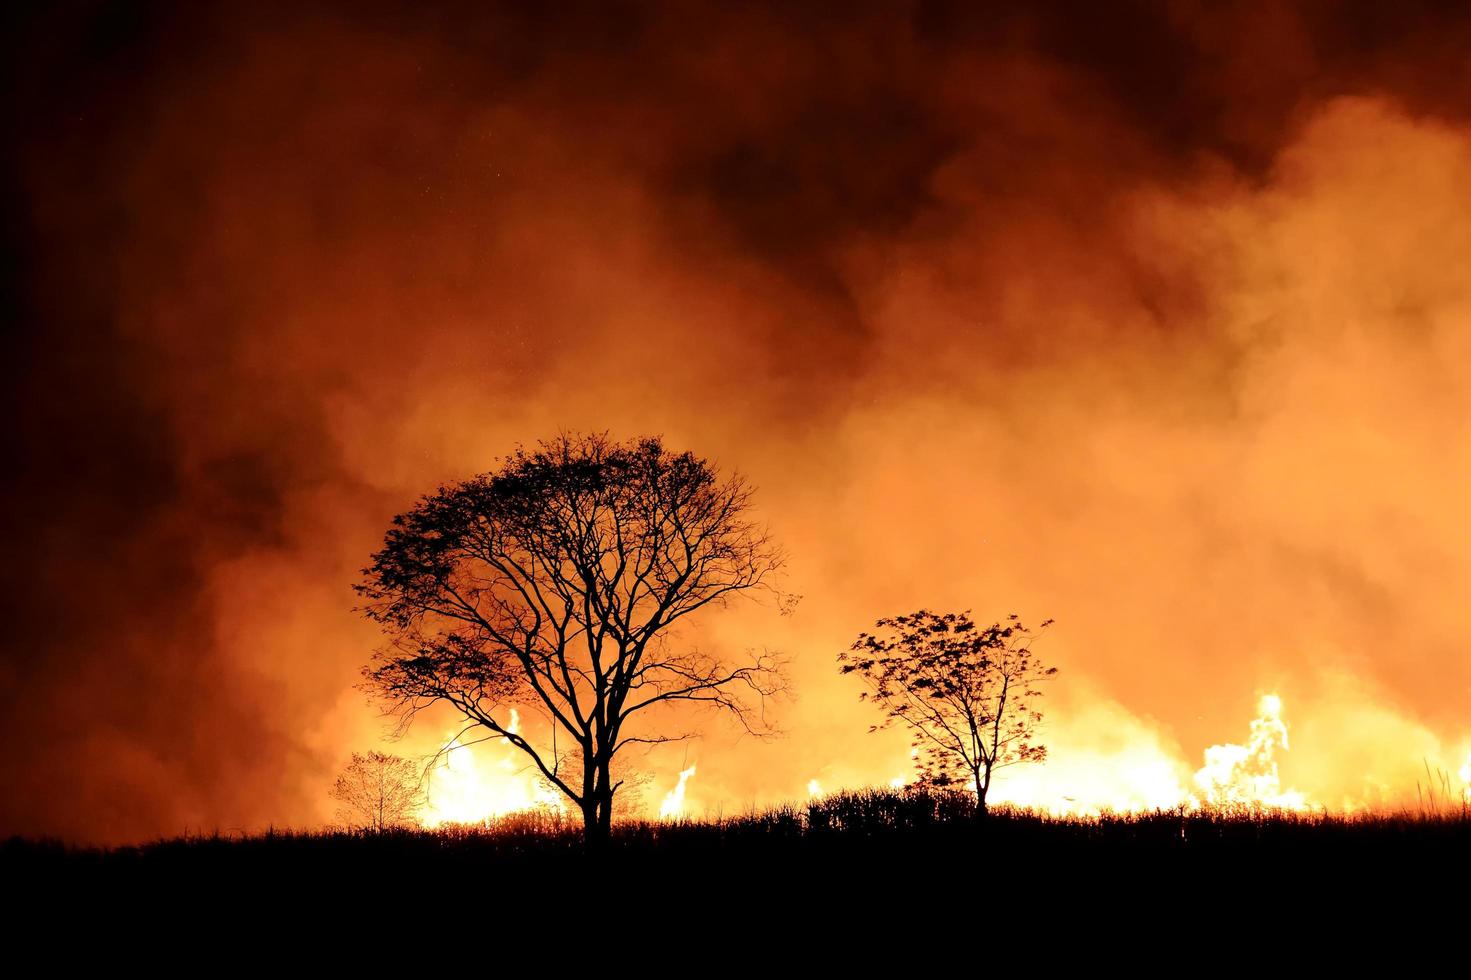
(553, 584)
(966, 694)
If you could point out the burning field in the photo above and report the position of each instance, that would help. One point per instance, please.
(477, 433)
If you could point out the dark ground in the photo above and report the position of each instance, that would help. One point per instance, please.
(877, 876)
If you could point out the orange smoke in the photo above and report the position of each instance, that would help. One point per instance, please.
(1151, 321)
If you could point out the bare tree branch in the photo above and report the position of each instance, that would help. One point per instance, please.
(553, 583)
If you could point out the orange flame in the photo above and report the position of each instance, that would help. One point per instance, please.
(1247, 774)
(673, 806)
(475, 782)
(1138, 771)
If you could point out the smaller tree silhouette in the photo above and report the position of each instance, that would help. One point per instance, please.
(378, 791)
(966, 694)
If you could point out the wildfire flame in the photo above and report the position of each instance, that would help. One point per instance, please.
(1138, 771)
(477, 781)
(1237, 774)
(1466, 778)
(673, 806)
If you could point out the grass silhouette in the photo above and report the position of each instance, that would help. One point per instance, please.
(839, 871)
(859, 820)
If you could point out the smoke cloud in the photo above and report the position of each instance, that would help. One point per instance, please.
(1148, 318)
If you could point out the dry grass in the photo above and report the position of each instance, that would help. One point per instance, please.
(877, 822)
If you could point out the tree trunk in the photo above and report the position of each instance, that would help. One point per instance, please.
(981, 789)
(605, 817)
(597, 808)
(593, 837)
(604, 798)
(591, 828)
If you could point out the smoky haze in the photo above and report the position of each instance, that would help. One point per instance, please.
(1152, 319)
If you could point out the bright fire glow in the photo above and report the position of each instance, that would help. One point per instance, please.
(1235, 774)
(673, 806)
(1134, 769)
(474, 782)
(1466, 778)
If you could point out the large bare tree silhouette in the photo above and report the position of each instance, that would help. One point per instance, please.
(553, 584)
